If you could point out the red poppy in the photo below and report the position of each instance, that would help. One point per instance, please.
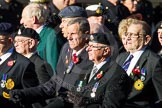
(10, 63)
(99, 75)
(75, 59)
(136, 71)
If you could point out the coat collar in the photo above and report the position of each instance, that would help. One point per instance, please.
(9, 63)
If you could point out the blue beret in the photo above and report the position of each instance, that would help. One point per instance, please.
(99, 38)
(72, 11)
(6, 28)
(28, 32)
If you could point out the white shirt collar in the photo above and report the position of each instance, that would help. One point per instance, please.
(78, 52)
(135, 59)
(101, 64)
(6, 55)
(38, 30)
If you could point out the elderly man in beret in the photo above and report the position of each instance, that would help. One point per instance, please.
(25, 43)
(17, 72)
(105, 85)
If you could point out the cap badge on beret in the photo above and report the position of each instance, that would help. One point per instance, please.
(91, 37)
(19, 32)
(99, 9)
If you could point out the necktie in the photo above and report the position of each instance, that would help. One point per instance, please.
(127, 63)
(93, 72)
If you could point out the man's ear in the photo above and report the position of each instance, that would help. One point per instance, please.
(147, 39)
(32, 43)
(107, 51)
(34, 20)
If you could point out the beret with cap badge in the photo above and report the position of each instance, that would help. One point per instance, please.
(6, 28)
(28, 32)
(72, 11)
(99, 38)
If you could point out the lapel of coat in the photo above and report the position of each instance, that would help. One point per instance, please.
(8, 64)
(122, 57)
(33, 57)
(140, 63)
(104, 69)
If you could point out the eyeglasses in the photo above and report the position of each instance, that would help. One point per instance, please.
(20, 41)
(133, 35)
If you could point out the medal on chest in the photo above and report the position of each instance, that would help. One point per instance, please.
(94, 89)
(79, 86)
(3, 81)
(139, 83)
(70, 66)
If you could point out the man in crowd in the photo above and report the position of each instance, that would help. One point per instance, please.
(105, 85)
(49, 46)
(143, 67)
(17, 72)
(25, 42)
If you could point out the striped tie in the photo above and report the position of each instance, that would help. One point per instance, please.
(127, 63)
(94, 70)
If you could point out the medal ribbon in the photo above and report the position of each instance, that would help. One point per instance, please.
(70, 67)
(94, 89)
(143, 74)
(4, 77)
(80, 84)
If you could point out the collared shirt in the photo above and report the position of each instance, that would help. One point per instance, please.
(38, 30)
(135, 59)
(29, 55)
(78, 52)
(6, 55)
(98, 67)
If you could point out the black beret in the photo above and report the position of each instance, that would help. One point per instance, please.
(6, 28)
(28, 32)
(99, 38)
(72, 11)
(94, 10)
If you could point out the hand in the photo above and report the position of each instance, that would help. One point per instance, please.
(15, 96)
(75, 99)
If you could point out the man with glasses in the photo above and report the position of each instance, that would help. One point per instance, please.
(105, 84)
(25, 42)
(144, 68)
(16, 71)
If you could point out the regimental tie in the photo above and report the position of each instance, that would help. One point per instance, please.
(93, 72)
(127, 63)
